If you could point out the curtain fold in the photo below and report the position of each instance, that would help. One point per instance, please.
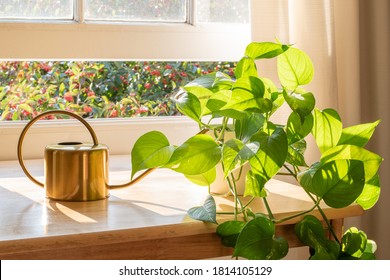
(348, 42)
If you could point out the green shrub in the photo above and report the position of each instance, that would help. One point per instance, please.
(96, 89)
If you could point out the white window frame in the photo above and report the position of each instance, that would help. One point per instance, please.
(80, 40)
(94, 40)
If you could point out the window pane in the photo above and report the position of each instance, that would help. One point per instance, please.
(227, 11)
(97, 89)
(136, 10)
(36, 9)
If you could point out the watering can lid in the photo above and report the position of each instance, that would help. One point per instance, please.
(76, 146)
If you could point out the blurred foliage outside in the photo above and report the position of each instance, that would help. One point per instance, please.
(97, 89)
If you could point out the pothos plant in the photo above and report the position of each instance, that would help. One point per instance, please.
(345, 173)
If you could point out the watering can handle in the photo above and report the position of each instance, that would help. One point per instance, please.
(32, 121)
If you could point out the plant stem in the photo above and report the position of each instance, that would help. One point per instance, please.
(296, 215)
(270, 214)
(249, 202)
(234, 196)
(221, 136)
(324, 217)
(291, 172)
(317, 204)
(285, 174)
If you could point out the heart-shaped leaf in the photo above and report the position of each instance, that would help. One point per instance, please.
(326, 129)
(257, 241)
(196, 156)
(311, 233)
(358, 135)
(271, 155)
(258, 50)
(355, 245)
(150, 150)
(229, 231)
(354, 242)
(370, 194)
(204, 179)
(206, 213)
(235, 154)
(254, 185)
(214, 81)
(294, 68)
(246, 67)
(248, 95)
(245, 128)
(298, 129)
(295, 153)
(302, 103)
(339, 182)
(371, 160)
(189, 105)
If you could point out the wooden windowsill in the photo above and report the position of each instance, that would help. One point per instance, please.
(145, 221)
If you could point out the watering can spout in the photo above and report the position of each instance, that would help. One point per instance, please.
(133, 181)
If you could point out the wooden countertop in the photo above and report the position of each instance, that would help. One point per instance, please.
(145, 221)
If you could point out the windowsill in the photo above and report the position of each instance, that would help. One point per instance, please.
(145, 221)
(118, 134)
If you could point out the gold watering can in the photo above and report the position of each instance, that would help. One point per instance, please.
(74, 171)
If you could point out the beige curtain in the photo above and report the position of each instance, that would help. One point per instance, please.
(348, 42)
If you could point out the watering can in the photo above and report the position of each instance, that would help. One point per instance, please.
(74, 171)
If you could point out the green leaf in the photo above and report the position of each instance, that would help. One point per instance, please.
(258, 50)
(254, 185)
(298, 129)
(204, 179)
(235, 154)
(301, 103)
(247, 95)
(339, 183)
(206, 213)
(358, 135)
(295, 68)
(371, 192)
(245, 67)
(203, 95)
(327, 128)
(305, 178)
(229, 231)
(311, 233)
(189, 105)
(271, 155)
(257, 241)
(354, 242)
(370, 160)
(218, 100)
(295, 153)
(196, 156)
(26, 108)
(214, 81)
(245, 128)
(150, 150)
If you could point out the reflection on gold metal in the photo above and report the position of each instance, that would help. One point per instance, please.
(74, 171)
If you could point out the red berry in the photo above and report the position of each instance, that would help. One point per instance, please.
(68, 97)
(87, 109)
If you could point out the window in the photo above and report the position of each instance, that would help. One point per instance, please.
(86, 36)
(136, 11)
(99, 30)
(36, 10)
